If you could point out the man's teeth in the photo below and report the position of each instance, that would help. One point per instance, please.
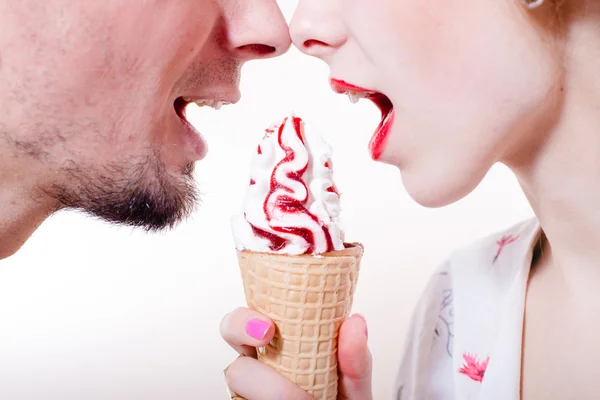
(356, 96)
(216, 104)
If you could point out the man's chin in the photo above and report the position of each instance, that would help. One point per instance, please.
(141, 195)
(151, 211)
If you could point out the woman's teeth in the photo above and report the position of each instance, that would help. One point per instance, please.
(356, 96)
(216, 104)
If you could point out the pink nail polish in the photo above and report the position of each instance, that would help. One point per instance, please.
(257, 328)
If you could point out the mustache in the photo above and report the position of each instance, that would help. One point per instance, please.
(212, 73)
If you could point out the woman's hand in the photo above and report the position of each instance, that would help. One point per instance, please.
(246, 329)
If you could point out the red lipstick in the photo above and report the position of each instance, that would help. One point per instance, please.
(379, 139)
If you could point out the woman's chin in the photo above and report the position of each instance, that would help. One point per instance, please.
(436, 189)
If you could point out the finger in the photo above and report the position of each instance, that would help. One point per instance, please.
(244, 329)
(355, 361)
(254, 380)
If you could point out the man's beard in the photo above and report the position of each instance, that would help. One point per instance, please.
(139, 194)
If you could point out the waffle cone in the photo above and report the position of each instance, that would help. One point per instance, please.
(308, 298)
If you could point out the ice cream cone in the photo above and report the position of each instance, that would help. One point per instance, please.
(308, 297)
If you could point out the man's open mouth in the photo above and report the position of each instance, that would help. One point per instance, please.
(181, 104)
(192, 138)
(355, 93)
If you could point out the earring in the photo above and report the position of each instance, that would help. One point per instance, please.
(531, 4)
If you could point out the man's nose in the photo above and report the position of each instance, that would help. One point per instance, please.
(259, 31)
(317, 28)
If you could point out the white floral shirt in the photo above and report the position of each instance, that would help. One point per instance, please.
(466, 334)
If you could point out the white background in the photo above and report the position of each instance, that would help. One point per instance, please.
(90, 311)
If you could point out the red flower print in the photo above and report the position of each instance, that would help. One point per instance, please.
(504, 240)
(473, 368)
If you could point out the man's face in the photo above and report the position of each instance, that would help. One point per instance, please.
(92, 93)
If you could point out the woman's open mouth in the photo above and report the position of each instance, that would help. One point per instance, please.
(355, 93)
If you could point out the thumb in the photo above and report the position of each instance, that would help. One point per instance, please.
(355, 363)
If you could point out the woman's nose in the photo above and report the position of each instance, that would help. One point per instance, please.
(317, 28)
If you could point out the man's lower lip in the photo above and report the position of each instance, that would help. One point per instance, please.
(379, 139)
(193, 141)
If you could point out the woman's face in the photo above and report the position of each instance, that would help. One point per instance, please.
(462, 84)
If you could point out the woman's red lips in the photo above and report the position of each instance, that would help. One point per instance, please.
(341, 87)
(379, 139)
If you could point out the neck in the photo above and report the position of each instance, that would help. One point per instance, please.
(23, 206)
(561, 178)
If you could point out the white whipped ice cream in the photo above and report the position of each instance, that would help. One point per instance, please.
(291, 204)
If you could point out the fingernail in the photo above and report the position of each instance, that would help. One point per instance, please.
(257, 328)
(366, 325)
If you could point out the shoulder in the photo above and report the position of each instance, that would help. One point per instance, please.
(502, 247)
(490, 248)
(469, 273)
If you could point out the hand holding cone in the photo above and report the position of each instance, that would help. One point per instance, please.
(308, 297)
